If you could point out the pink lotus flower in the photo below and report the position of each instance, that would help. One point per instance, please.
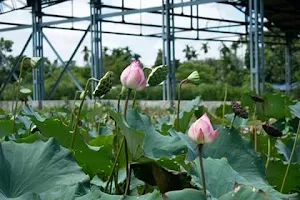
(201, 131)
(133, 76)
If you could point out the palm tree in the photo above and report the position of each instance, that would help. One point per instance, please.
(234, 46)
(136, 56)
(86, 55)
(190, 53)
(205, 47)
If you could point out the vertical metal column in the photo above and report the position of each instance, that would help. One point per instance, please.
(262, 48)
(168, 53)
(96, 40)
(256, 50)
(251, 43)
(37, 41)
(256, 46)
(173, 57)
(288, 63)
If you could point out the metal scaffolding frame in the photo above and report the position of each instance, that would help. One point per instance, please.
(37, 47)
(254, 23)
(96, 41)
(256, 45)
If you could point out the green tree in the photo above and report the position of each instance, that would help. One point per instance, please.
(190, 53)
(205, 47)
(86, 55)
(159, 58)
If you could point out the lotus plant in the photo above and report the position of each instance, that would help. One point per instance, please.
(132, 78)
(202, 132)
(103, 87)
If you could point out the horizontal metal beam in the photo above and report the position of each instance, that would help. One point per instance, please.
(156, 36)
(115, 14)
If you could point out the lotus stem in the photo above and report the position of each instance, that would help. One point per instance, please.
(233, 120)
(291, 157)
(200, 149)
(114, 165)
(254, 130)
(178, 104)
(79, 111)
(126, 103)
(94, 115)
(269, 151)
(134, 100)
(127, 189)
(224, 102)
(17, 98)
(119, 102)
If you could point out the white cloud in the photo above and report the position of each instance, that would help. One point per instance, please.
(65, 41)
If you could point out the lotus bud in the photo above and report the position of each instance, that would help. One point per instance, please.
(201, 131)
(104, 85)
(133, 76)
(193, 78)
(157, 75)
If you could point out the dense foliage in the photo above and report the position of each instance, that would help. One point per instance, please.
(39, 161)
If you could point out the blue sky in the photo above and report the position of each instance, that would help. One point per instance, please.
(65, 41)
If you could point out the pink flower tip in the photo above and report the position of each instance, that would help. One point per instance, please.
(201, 131)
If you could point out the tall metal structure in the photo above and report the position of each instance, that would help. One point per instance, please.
(96, 35)
(259, 15)
(37, 46)
(256, 45)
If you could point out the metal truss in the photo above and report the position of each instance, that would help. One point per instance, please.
(254, 29)
(256, 45)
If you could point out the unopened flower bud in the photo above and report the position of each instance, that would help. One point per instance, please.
(133, 77)
(201, 131)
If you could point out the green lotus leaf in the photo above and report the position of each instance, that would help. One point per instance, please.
(29, 170)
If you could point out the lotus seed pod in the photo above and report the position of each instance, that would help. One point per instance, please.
(193, 78)
(147, 71)
(30, 62)
(272, 130)
(239, 110)
(104, 85)
(157, 75)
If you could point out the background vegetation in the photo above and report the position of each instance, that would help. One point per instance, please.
(229, 69)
